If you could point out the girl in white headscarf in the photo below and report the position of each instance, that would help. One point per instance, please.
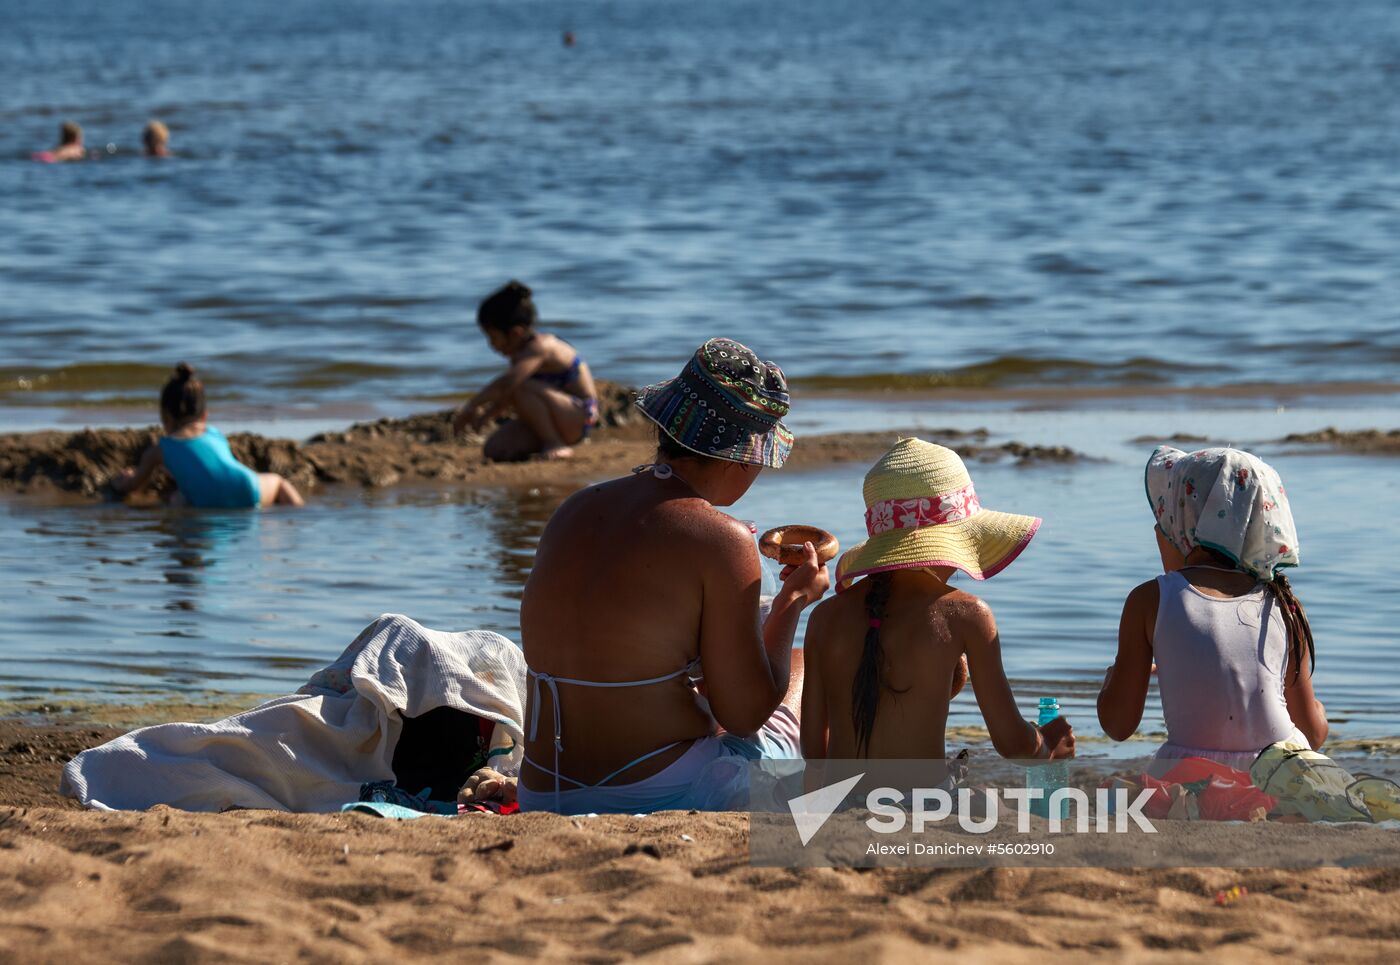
(1233, 651)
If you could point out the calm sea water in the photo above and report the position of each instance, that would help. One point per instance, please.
(1001, 195)
(108, 602)
(993, 193)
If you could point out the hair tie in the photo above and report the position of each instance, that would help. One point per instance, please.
(874, 623)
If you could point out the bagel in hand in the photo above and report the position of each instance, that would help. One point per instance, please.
(784, 544)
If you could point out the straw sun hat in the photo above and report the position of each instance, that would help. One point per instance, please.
(921, 511)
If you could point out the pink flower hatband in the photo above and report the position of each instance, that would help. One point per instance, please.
(915, 513)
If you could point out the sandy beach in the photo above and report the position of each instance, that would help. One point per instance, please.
(167, 885)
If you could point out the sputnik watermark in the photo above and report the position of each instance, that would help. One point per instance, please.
(978, 812)
(892, 810)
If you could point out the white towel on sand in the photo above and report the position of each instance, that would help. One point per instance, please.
(311, 751)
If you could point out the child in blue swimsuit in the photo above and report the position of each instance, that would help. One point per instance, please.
(548, 385)
(198, 457)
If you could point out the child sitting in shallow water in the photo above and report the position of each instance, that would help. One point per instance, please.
(1232, 647)
(883, 655)
(198, 457)
(547, 384)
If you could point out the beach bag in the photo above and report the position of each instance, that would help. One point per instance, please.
(1310, 784)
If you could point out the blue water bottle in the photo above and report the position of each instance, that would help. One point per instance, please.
(1052, 776)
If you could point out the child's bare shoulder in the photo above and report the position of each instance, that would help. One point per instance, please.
(964, 612)
(825, 613)
(826, 609)
(554, 348)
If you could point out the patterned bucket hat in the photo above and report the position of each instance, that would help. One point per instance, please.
(726, 404)
(921, 511)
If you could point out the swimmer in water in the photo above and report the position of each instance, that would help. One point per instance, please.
(70, 146)
(548, 385)
(156, 138)
(197, 455)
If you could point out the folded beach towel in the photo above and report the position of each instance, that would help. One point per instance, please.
(312, 751)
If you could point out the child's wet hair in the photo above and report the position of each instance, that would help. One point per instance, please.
(1295, 618)
(182, 399)
(510, 306)
(70, 133)
(869, 682)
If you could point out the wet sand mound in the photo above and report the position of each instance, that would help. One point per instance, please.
(421, 449)
(1362, 441)
(418, 448)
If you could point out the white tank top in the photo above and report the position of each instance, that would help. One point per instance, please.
(1220, 667)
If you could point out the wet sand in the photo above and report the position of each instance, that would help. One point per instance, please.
(259, 886)
(1363, 441)
(420, 449)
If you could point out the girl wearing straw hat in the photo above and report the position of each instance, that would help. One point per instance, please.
(1232, 647)
(885, 654)
(653, 678)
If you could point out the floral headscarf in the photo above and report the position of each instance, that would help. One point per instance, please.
(1224, 500)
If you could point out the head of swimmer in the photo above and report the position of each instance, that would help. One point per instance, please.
(721, 482)
(156, 138)
(507, 317)
(70, 132)
(182, 399)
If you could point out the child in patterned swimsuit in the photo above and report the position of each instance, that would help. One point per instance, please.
(198, 457)
(548, 385)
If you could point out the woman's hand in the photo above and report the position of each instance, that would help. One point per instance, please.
(806, 582)
(1057, 740)
(487, 785)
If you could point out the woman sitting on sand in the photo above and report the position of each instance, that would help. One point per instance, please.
(641, 586)
(1234, 653)
(547, 384)
(884, 656)
(198, 457)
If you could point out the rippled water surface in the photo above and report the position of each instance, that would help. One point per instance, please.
(911, 194)
(995, 193)
(112, 602)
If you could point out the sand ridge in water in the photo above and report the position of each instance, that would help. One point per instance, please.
(1362, 441)
(421, 449)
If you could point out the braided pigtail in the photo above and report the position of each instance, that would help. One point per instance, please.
(869, 681)
(1295, 618)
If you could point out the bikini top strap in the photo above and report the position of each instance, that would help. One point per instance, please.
(553, 682)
